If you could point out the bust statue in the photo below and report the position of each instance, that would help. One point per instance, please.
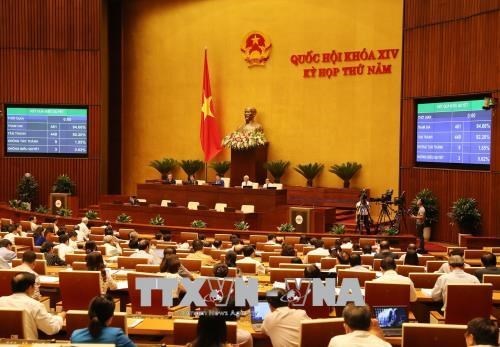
(250, 124)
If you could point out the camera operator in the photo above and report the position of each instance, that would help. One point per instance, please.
(420, 221)
(363, 214)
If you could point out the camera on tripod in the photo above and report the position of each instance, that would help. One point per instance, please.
(385, 198)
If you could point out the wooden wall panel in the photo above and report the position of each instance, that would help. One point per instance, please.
(450, 49)
(50, 54)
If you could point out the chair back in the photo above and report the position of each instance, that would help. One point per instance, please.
(147, 268)
(247, 208)
(423, 259)
(293, 266)
(328, 263)
(6, 276)
(318, 332)
(96, 237)
(404, 270)
(434, 265)
(26, 225)
(467, 301)
(387, 294)
(217, 253)
(376, 264)
(71, 284)
(362, 276)
(70, 258)
(185, 330)
(156, 306)
(129, 262)
(473, 254)
(493, 279)
(315, 258)
(12, 326)
(276, 260)
(247, 268)
(208, 271)
(24, 241)
(191, 264)
(219, 207)
(227, 182)
(222, 237)
(272, 248)
(307, 249)
(449, 249)
(291, 240)
(433, 335)
(79, 265)
(265, 256)
(188, 235)
(471, 270)
(365, 241)
(40, 265)
(280, 274)
(124, 232)
(97, 230)
(257, 238)
(329, 242)
(78, 319)
(259, 246)
(423, 279)
(367, 259)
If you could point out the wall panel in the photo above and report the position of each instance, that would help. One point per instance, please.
(50, 54)
(450, 49)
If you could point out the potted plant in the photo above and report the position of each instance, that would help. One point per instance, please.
(157, 220)
(286, 227)
(199, 224)
(27, 189)
(338, 229)
(276, 169)
(241, 225)
(124, 218)
(41, 209)
(64, 184)
(309, 171)
(19, 205)
(191, 167)
(64, 212)
(430, 203)
(92, 215)
(164, 166)
(391, 231)
(345, 171)
(220, 167)
(466, 215)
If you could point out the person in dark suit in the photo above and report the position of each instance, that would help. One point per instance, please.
(489, 261)
(385, 251)
(218, 181)
(170, 179)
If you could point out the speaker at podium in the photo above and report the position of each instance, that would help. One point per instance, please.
(300, 218)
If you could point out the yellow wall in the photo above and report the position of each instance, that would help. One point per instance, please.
(306, 120)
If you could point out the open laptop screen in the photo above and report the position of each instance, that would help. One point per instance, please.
(391, 317)
(259, 312)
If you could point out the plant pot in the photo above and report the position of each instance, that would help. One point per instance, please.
(347, 184)
(427, 233)
(309, 183)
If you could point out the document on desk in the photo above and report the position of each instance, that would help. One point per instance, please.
(133, 322)
(48, 279)
(120, 272)
(427, 292)
(121, 285)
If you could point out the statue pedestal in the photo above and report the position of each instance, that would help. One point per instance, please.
(249, 162)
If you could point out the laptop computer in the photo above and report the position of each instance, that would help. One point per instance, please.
(391, 319)
(258, 313)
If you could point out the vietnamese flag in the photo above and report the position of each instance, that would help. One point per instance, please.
(209, 130)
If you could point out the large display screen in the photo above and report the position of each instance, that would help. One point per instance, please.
(46, 131)
(453, 133)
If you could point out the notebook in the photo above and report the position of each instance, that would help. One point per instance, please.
(258, 313)
(391, 319)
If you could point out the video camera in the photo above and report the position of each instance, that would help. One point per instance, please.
(385, 198)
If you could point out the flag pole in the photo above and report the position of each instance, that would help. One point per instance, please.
(206, 171)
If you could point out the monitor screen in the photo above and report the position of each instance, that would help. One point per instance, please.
(453, 133)
(259, 312)
(390, 317)
(46, 131)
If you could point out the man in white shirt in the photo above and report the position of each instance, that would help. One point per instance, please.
(6, 254)
(445, 268)
(83, 230)
(357, 324)
(319, 250)
(457, 275)
(73, 237)
(271, 239)
(389, 275)
(249, 253)
(28, 265)
(246, 182)
(33, 225)
(143, 252)
(112, 246)
(63, 247)
(36, 315)
(355, 262)
(346, 244)
(481, 332)
(282, 324)
(15, 230)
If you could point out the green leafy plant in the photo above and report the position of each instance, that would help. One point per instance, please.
(338, 229)
(19, 205)
(220, 167)
(286, 227)
(157, 220)
(391, 231)
(345, 171)
(164, 166)
(91, 214)
(199, 224)
(64, 184)
(64, 212)
(191, 167)
(466, 215)
(309, 171)
(430, 204)
(277, 169)
(27, 188)
(241, 225)
(41, 209)
(124, 218)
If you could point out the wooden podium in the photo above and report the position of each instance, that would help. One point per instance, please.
(300, 218)
(63, 200)
(249, 162)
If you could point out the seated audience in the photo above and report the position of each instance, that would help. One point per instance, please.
(39, 236)
(170, 267)
(182, 271)
(304, 240)
(83, 230)
(356, 247)
(6, 254)
(112, 246)
(51, 258)
(318, 250)
(456, 275)
(90, 246)
(282, 324)
(249, 253)
(36, 315)
(33, 225)
(296, 260)
(246, 182)
(271, 239)
(101, 311)
(367, 249)
(211, 331)
(411, 257)
(28, 265)
(411, 248)
(288, 250)
(384, 251)
(158, 236)
(355, 262)
(143, 247)
(489, 261)
(230, 258)
(343, 258)
(217, 244)
(167, 238)
(15, 230)
(133, 242)
(482, 332)
(95, 262)
(357, 325)
(221, 270)
(198, 254)
(63, 247)
(312, 271)
(445, 268)
(73, 240)
(389, 275)
(346, 243)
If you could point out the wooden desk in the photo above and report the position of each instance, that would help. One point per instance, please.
(178, 215)
(262, 199)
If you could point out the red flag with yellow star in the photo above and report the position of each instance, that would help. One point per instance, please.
(209, 129)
